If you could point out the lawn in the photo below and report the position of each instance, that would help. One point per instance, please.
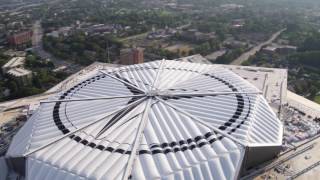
(317, 99)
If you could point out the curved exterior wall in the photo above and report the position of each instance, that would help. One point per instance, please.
(3, 168)
(163, 119)
(257, 155)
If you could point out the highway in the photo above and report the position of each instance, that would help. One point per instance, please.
(245, 56)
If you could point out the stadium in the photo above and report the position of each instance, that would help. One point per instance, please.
(158, 120)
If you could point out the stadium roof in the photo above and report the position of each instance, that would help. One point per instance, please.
(163, 119)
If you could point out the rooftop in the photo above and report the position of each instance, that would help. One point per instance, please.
(19, 72)
(272, 82)
(194, 59)
(12, 53)
(267, 80)
(14, 62)
(149, 121)
(274, 47)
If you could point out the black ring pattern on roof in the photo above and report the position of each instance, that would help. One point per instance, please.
(240, 99)
(165, 148)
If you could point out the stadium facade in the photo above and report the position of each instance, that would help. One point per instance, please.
(157, 120)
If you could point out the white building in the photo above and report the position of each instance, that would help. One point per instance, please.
(16, 62)
(23, 76)
(164, 120)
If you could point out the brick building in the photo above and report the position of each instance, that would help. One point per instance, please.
(20, 38)
(131, 56)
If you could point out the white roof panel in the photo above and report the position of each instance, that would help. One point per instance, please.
(163, 119)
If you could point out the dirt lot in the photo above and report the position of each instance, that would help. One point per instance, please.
(179, 48)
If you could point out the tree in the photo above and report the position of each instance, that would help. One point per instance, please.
(13, 87)
(183, 53)
(36, 81)
(312, 43)
(30, 60)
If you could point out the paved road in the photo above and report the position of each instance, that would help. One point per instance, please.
(37, 34)
(21, 6)
(245, 56)
(37, 45)
(38, 49)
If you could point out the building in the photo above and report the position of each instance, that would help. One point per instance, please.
(237, 23)
(20, 75)
(20, 38)
(61, 32)
(216, 54)
(231, 7)
(162, 33)
(195, 35)
(54, 34)
(157, 120)
(197, 58)
(15, 69)
(13, 53)
(131, 56)
(276, 48)
(232, 43)
(16, 62)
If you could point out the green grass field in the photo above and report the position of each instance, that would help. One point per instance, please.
(317, 99)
